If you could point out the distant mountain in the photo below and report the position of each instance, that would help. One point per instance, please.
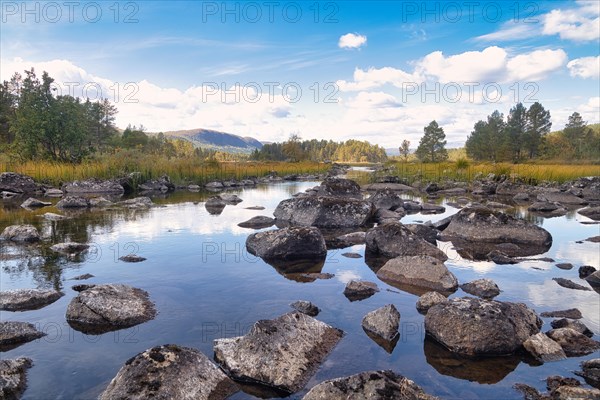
(216, 140)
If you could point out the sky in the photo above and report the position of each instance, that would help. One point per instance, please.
(367, 70)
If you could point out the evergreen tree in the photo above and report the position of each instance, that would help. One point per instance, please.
(538, 125)
(432, 145)
(405, 149)
(516, 127)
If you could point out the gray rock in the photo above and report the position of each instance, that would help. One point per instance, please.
(569, 284)
(472, 326)
(372, 385)
(594, 279)
(162, 184)
(593, 239)
(395, 240)
(132, 258)
(339, 187)
(35, 203)
(73, 202)
(305, 307)
(591, 212)
(259, 208)
(428, 233)
(428, 300)
(353, 238)
(585, 271)
(556, 381)
(484, 288)
(386, 199)
(69, 247)
(383, 322)
(360, 290)
(100, 202)
(214, 185)
(476, 231)
(17, 183)
(230, 198)
(53, 217)
(420, 271)
(382, 215)
(351, 255)
(494, 204)
(521, 197)
(13, 377)
(429, 208)
(14, 334)
(575, 325)
(93, 186)
(325, 212)
(295, 243)
(590, 371)
(565, 266)
(282, 353)
(501, 258)
(397, 187)
(53, 192)
(561, 197)
(258, 222)
(543, 348)
(572, 313)
(21, 234)
(27, 299)
(137, 202)
(82, 277)
(214, 205)
(412, 206)
(543, 206)
(194, 188)
(104, 308)
(574, 344)
(571, 393)
(170, 372)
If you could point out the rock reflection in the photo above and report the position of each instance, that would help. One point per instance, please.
(387, 345)
(303, 271)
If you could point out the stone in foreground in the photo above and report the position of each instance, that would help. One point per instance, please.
(104, 308)
(16, 333)
(590, 371)
(472, 326)
(393, 239)
(21, 234)
(169, 372)
(383, 322)
(295, 243)
(484, 288)
(27, 299)
(13, 379)
(543, 348)
(574, 344)
(360, 290)
(418, 271)
(282, 353)
(428, 300)
(325, 211)
(372, 385)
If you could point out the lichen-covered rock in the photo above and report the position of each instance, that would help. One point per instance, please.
(386, 199)
(17, 183)
(258, 222)
(428, 300)
(104, 308)
(170, 372)
(137, 202)
(305, 307)
(282, 353)
(419, 271)
(15, 333)
(574, 344)
(473, 326)
(591, 212)
(21, 234)
(575, 325)
(27, 299)
(13, 377)
(543, 348)
(360, 290)
(484, 288)
(93, 185)
(382, 322)
(561, 197)
(372, 385)
(339, 187)
(429, 233)
(394, 240)
(69, 247)
(162, 184)
(295, 243)
(590, 371)
(325, 211)
(73, 202)
(35, 203)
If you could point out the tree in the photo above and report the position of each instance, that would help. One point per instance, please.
(432, 145)
(538, 125)
(405, 149)
(293, 150)
(516, 126)
(575, 132)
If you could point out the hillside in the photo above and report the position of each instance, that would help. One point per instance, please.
(215, 140)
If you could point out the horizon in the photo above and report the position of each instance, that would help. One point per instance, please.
(375, 71)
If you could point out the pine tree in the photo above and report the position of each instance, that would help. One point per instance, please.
(538, 125)
(432, 145)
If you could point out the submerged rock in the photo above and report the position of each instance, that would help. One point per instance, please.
(258, 222)
(372, 385)
(35, 203)
(73, 202)
(472, 326)
(282, 353)
(13, 377)
(573, 343)
(305, 307)
(575, 325)
(590, 371)
(132, 258)
(360, 290)
(543, 348)
(21, 234)
(69, 247)
(105, 308)
(572, 313)
(53, 217)
(569, 284)
(15, 333)
(418, 271)
(383, 322)
(293, 243)
(170, 372)
(484, 288)
(394, 240)
(428, 300)
(325, 211)
(591, 212)
(137, 202)
(27, 299)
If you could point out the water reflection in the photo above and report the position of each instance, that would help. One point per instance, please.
(298, 270)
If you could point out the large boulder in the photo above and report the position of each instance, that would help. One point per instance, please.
(162, 184)
(591, 212)
(386, 199)
(282, 353)
(393, 239)
(170, 372)
(423, 272)
(21, 234)
(294, 243)
(543, 348)
(360, 290)
(15, 333)
(34, 203)
(73, 202)
(27, 299)
(104, 308)
(484, 288)
(574, 344)
(17, 183)
(93, 185)
(372, 385)
(474, 327)
(69, 247)
(339, 187)
(325, 211)
(382, 322)
(590, 371)
(561, 197)
(13, 377)
(476, 231)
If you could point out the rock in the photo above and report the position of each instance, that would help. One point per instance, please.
(472, 326)
(214, 185)
(569, 284)
(53, 217)
(561, 197)
(529, 393)
(571, 313)
(494, 204)
(591, 212)
(478, 230)
(397, 187)
(82, 277)
(170, 372)
(282, 353)
(100, 202)
(383, 322)
(556, 381)
(69, 247)
(259, 208)
(93, 185)
(571, 393)
(353, 238)
(360, 290)
(372, 385)
(382, 215)
(585, 271)
(442, 223)
(82, 287)
(35, 203)
(412, 206)
(574, 344)
(428, 300)
(428, 233)
(295, 243)
(230, 198)
(521, 197)
(325, 212)
(543, 348)
(214, 205)
(428, 208)
(575, 325)
(21, 234)
(484, 288)
(162, 184)
(17, 183)
(305, 307)
(544, 206)
(501, 258)
(194, 188)
(565, 266)
(386, 199)
(132, 258)
(14, 334)
(590, 371)
(394, 240)
(338, 187)
(594, 279)
(452, 191)
(104, 308)
(52, 192)
(419, 271)
(137, 202)
(73, 202)
(593, 239)
(317, 275)
(13, 377)
(27, 299)
(258, 222)
(351, 255)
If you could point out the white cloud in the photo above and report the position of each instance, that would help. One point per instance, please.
(352, 41)
(377, 77)
(585, 67)
(577, 24)
(373, 100)
(511, 30)
(536, 65)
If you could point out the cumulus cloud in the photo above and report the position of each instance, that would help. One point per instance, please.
(373, 100)
(585, 67)
(577, 24)
(352, 41)
(377, 77)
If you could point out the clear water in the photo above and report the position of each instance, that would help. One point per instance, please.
(206, 286)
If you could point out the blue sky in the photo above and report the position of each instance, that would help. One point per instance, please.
(376, 71)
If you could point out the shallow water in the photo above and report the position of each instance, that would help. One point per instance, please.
(206, 286)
